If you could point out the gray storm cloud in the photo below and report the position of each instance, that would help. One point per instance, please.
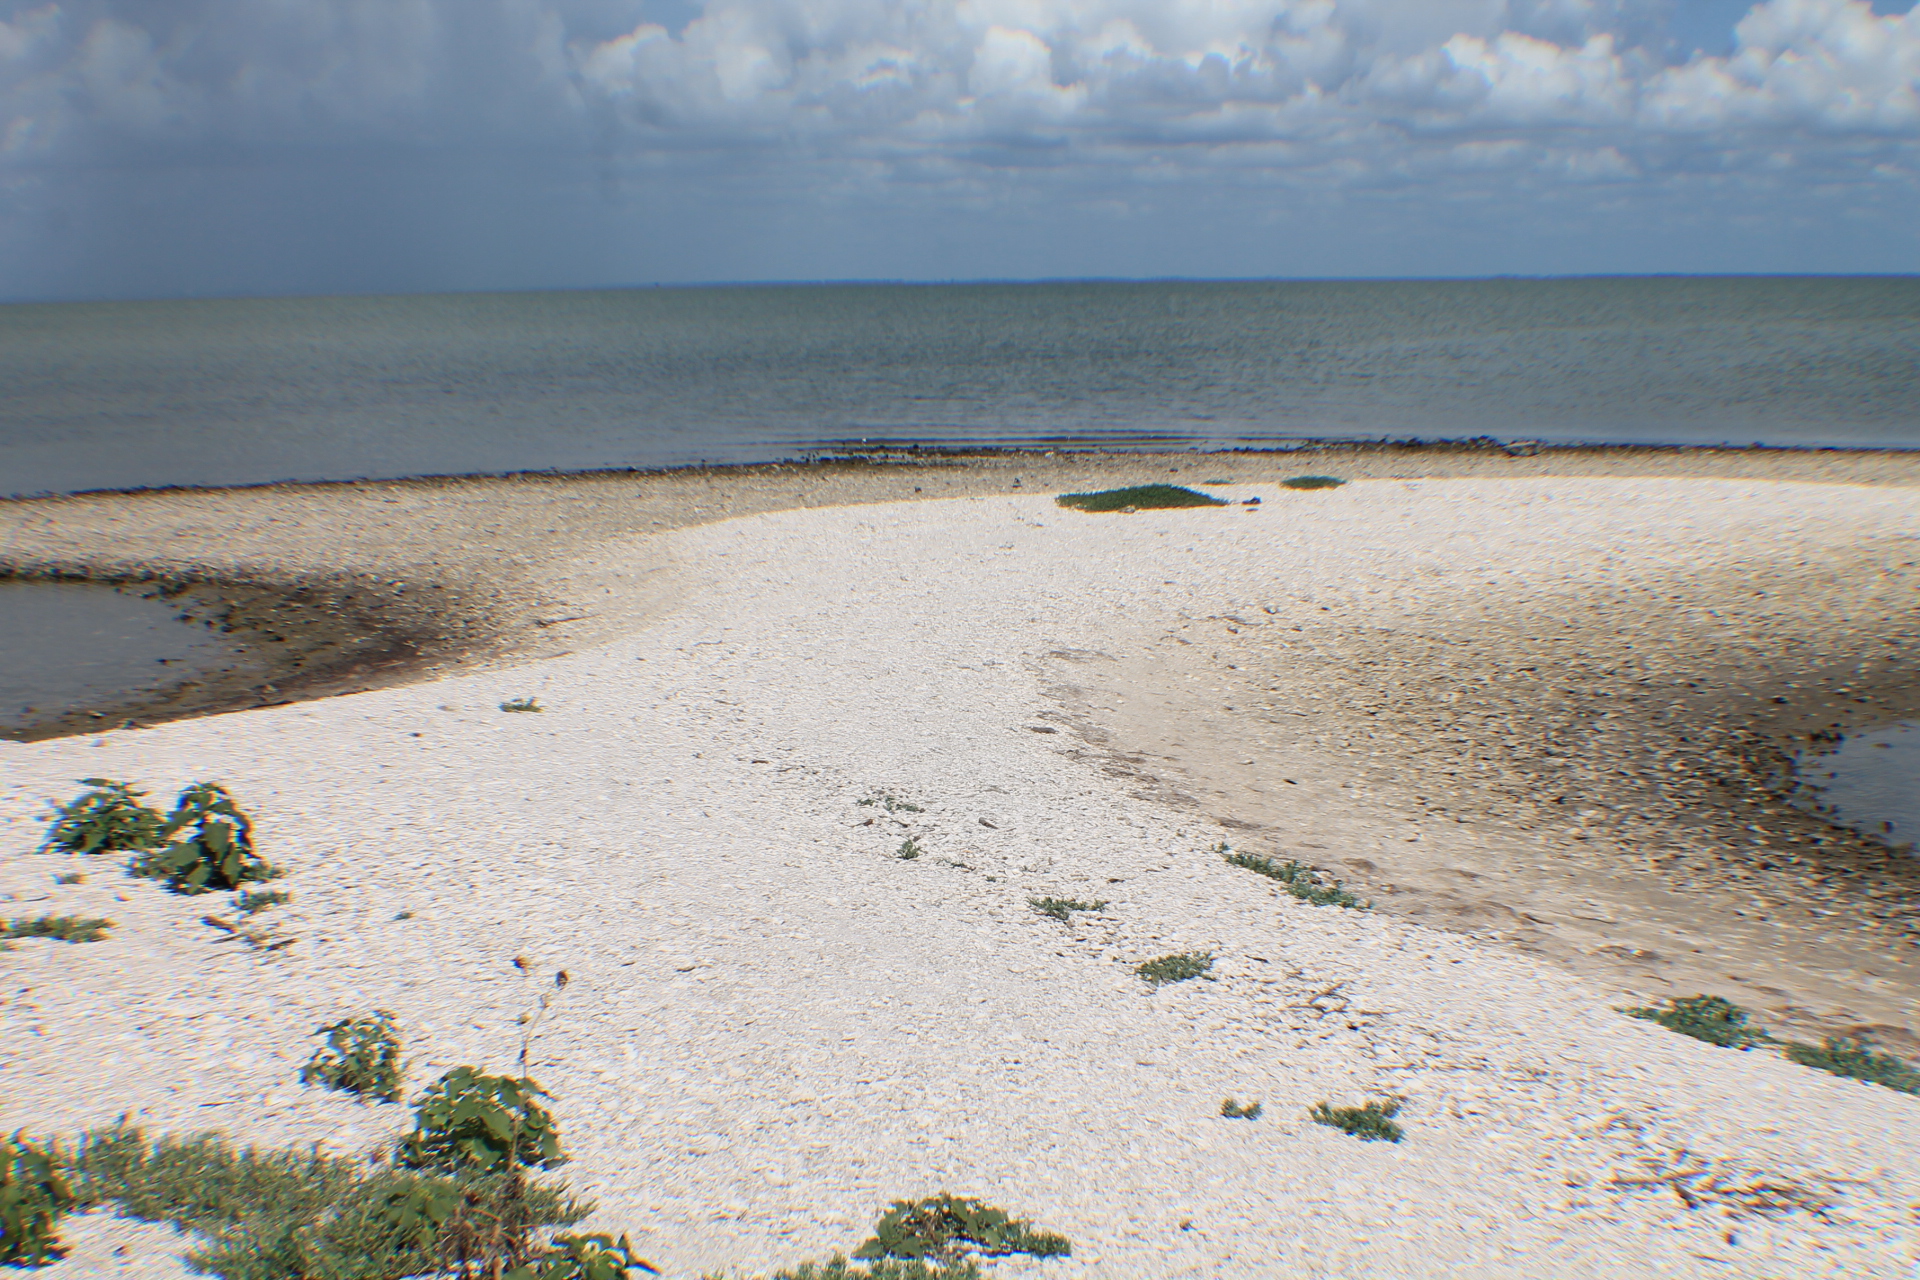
(847, 108)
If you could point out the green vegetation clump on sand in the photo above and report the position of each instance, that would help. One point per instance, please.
(1856, 1060)
(1714, 1019)
(1181, 966)
(1720, 1021)
(940, 1228)
(1312, 482)
(1141, 497)
(61, 928)
(1295, 879)
(1370, 1123)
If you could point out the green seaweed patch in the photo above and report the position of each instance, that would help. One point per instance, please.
(1140, 497)
(1312, 482)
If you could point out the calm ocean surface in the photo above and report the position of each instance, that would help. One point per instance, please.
(128, 394)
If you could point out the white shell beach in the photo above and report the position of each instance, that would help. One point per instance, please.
(776, 1024)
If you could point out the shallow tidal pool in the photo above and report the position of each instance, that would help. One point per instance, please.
(68, 646)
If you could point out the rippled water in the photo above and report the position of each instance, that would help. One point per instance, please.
(1870, 781)
(119, 395)
(67, 646)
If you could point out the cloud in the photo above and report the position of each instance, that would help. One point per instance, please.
(1096, 100)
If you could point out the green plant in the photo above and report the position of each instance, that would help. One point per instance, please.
(361, 1056)
(891, 803)
(1142, 497)
(838, 1268)
(1856, 1060)
(63, 928)
(1296, 880)
(1370, 1123)
(218, 855)
(107, 819)
(1312, 482)
(595, 1257)
(909, 849)
(249, 901)
(70, 877)
(1234, 1111)
(1178, 967)
(33, 1195)
(1062, 909)
(1713, 1019)
(941, 1227)
(470, 1122)
(522, 704)
(286, 1215)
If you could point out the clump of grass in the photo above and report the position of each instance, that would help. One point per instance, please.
(288, 1215)
(940, 1228)
(1178, 967)
(890, 802)
(107, 819)
(1234, 1111)
(1372, 1122)
(1062, 909)
(838, 1268)
(1142, 497)
(1296, 880)
(33, 1196)
(61, 928)
(251, 901)
(1857, 1060)
(361, 1056)
(522, 704)
(1714, 1019)
(1312, 482)
(219, 853)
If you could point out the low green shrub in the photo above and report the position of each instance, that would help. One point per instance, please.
(1856, 1060)
(522, 704)
(595, 1257)
(292, 1215)
(107, 819)
(62, 928)
(1234, 1111)
(250, 901)
(890, 802)
(1312, 482)
(1714, 1019)
(1372, 1122)
(1296, 880)
(1178, 967)
(219, 853)
(838, 1268)
(1062, 909)
(33, 1195)
(1141, 497)
(470, 1122)
(940, 1228)
(909, 849)
(361, 1056)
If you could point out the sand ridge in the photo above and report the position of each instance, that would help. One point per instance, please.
(777, 1024)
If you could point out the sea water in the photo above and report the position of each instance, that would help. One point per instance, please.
(242, 391)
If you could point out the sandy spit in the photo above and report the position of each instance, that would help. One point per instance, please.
(777, 1024)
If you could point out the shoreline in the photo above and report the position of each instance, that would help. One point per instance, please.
(323, 599)
(778, 1022)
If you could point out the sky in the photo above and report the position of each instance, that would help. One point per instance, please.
(168, 148)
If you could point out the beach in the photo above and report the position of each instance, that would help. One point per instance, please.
(1521, 700)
